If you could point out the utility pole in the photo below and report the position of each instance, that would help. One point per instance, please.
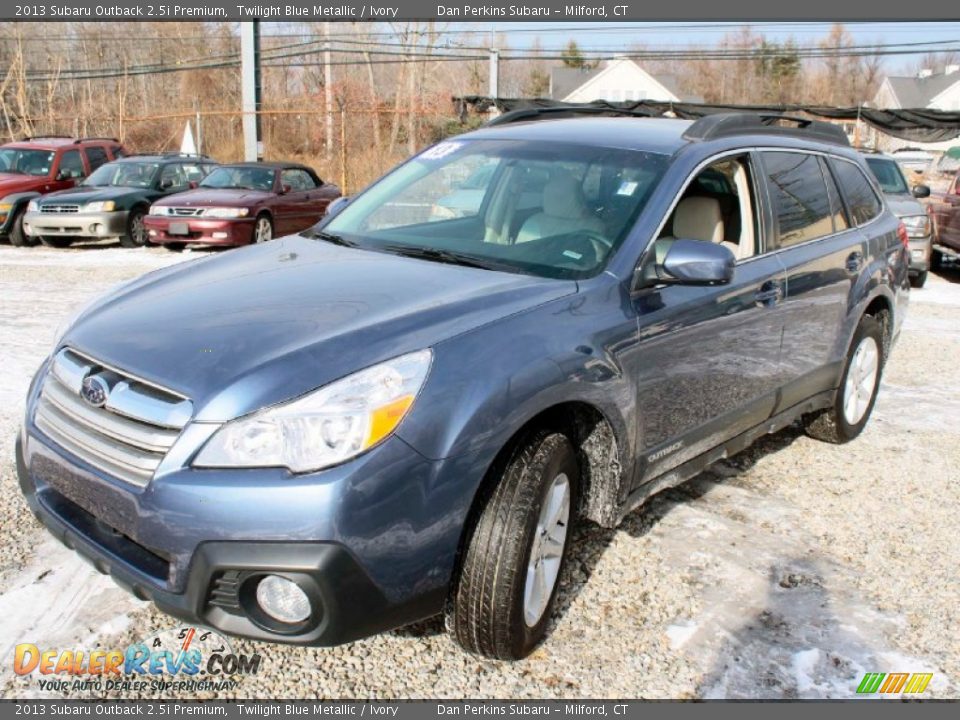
(494, 73)
(251, 90)
(328, 88)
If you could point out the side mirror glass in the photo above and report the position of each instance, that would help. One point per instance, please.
(336, 206)
(193, 184)
(697, 262)
(284, 189)
(920, 191)
(166, 184)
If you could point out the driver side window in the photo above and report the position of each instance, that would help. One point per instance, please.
(719, 205)
(71, 165)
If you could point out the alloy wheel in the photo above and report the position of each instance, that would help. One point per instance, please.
(546, 554)
(861, 380)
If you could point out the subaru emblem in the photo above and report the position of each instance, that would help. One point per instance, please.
(94, 390)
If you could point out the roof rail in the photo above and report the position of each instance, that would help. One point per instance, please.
(46, 137)
(168, 153)
(710, 127)
(177, 153)
(88, 139)
(549, 113)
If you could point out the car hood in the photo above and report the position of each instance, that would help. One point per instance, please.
(904, 205)
(266, 323)
(14, 182)
(207, 197)
(86, 194)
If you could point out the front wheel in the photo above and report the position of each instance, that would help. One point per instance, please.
(18, 238)
(858, 388)
(918, 280)
(263, 230)
(136, 231)
(512, 564)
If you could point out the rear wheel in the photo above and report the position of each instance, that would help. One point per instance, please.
(136, 232)
(857, 393)
(263, 230)
(18, 238)
(56, 242)
(508, 582)
(918, 280)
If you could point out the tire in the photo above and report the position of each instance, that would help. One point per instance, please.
(848, 415)
(175, 247)
(56, 242)
(136, 235)
(918, 280)
(18, 238)
(497, 610)
(263, 229)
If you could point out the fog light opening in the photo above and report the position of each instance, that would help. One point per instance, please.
(283, 600)
(221, 235)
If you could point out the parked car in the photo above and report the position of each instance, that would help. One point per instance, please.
(114, 200)
(36, 166)
(914, 159)
(903, 201)
(358, 427)
(241, 204)
(945, 211)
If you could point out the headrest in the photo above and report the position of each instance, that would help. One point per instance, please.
(563, 197)
(698, 218)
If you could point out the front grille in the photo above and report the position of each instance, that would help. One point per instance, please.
(185, 211)
(59, 209)
(128, 436)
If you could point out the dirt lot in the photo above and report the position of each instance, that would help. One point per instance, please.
(787, 571)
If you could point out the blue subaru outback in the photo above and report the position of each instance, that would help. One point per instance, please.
(405, 410)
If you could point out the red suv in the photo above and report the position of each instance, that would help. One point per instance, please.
(36, 166)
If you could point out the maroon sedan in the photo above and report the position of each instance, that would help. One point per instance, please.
(241, 204)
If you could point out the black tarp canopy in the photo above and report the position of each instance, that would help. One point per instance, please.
(916, 125)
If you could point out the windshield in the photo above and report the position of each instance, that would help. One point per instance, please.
(888, 175)
(240, 178)
(544, 208)
(123, 174)
(26, 162)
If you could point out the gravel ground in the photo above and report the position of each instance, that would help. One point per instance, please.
(786, 571)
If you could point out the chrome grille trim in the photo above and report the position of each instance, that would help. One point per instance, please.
(185, 211)
(59, 209)
(128, 437)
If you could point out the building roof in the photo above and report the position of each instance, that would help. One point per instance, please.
(917, 92)
(564, 81)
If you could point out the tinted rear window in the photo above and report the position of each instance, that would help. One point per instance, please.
(799, 196)
(862, 201)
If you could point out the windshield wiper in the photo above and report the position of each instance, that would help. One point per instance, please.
(444, 256)
(331, 238)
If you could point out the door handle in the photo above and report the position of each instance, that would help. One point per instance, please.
(769, 294)
(854, 261)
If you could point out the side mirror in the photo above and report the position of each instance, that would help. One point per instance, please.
(63, 175)
(336, 206)
(697, 262)
(193, 184)
(166, 184)
(920, 191)
(284, 189)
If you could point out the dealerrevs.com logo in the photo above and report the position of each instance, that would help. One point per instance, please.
(186, 659)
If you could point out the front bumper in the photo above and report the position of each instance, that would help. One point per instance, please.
(372, 542)
(207, 232)
(921, 250)
(94, 225)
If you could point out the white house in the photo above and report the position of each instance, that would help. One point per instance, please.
(926, 89)
(619, 80)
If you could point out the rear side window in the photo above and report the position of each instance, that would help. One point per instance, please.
(96, 156)
(862, 201)
(836, 204)
(799, 196)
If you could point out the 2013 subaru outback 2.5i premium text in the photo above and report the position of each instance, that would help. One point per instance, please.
(402, 413)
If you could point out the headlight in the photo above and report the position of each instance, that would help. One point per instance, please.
(158, 210)
(222, 212)
(6, 208)
(917, 225)
(33, 206)
(324, 427)
(100, 206)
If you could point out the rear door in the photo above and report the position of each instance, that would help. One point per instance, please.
(823, 252)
